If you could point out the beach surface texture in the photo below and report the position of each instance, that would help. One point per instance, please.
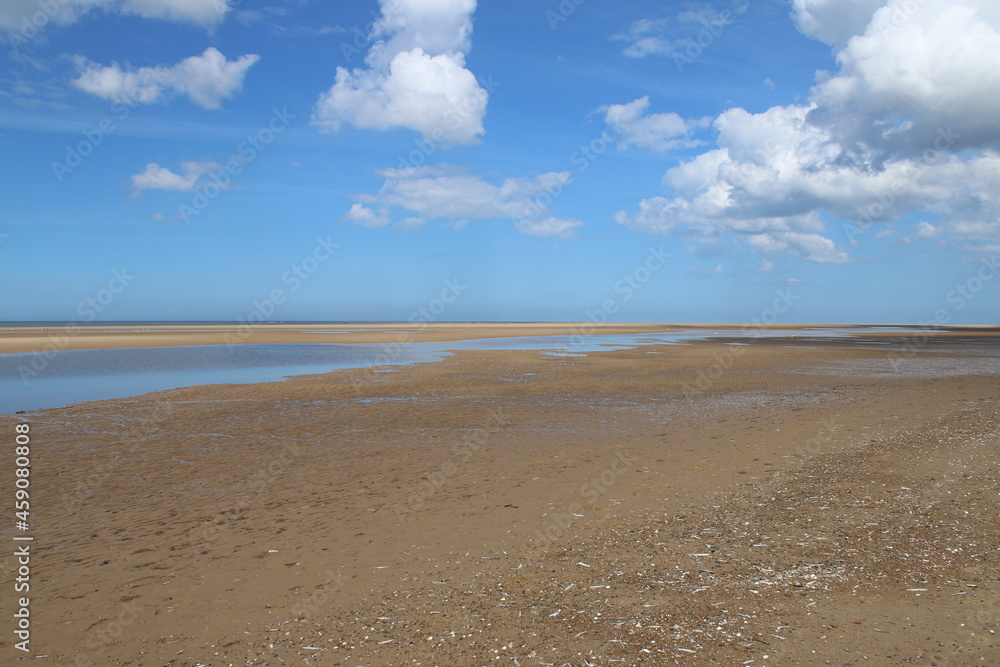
(768, 500)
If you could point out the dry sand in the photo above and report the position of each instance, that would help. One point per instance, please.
(805, 503)
(42, 339)
(38, 339)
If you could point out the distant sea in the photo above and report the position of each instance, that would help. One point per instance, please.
(72, 376)
(30, 381)
(211, 323)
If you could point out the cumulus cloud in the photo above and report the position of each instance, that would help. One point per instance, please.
(909, 76)
(23, 15)
(452, 194)
(155, 177)
(658, 131)
(415, 76)
(834, 21)
(906, 125)
(206, 80)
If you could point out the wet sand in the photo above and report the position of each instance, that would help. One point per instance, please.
(815, 502)
(42, 339)
(35, 339)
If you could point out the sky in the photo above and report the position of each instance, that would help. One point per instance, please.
(813, 161)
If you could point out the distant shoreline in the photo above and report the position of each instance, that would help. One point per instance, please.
(49, 339)
(35, 324)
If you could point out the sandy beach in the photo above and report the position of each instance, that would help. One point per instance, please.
(447, 333)
(41, 339)
(804, 501)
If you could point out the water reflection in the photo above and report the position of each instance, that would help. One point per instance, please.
(72, 376)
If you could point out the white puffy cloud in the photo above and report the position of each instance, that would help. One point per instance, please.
(435, 26)
(366, 217)
(834, 21)
(449, 193)
(415, 76)
(156, 177)
(206, 80)
(434, 95)
(704, 222)
(813, 247)
(27, 15)
(908, 77)
(658, 131)
(906, 125)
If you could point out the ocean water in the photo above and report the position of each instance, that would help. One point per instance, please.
(72, 376)
(33, 381)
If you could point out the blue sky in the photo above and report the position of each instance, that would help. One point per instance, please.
(679, 161)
